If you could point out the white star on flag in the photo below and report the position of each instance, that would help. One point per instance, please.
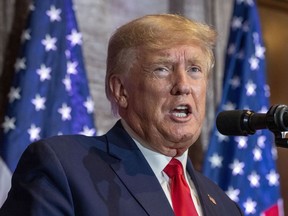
(8, 124)
(257, 153)
(273, 178)
(68, 54)
(254, 63)
(259, 52)
(237, 22)
(235, 82)
(250, 88)
(249, 2)
(25, 35)
(31, 7)
(65, 112)
(71, 67)
(54, 14)
(75, 37)
(267, 91)
(67, 82)
(88, 131)
(263, 109)
(222, 137)
(44, 72)
(20, 64)
(14, 94)
(229, 106)
(89, 104)
(49, 43)
(261, 141)
(216, 160)
(250, 206)
(233, 193)
(231, 49)
(254, 179)
(34, 132)
(39, 102)
(245, 27)
(242, 141)
(237, 167)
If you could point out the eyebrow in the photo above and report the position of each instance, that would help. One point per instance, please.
(167, 60)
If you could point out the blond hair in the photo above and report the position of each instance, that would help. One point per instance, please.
(154, 32)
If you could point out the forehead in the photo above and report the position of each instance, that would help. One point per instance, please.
(176, 53)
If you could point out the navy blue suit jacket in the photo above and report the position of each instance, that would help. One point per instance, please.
(91, 176)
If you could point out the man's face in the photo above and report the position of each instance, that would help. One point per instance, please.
(166, 93)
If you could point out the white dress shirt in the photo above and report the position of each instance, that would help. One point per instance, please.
(158, 162)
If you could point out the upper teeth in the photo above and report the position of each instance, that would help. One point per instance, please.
(181, 107)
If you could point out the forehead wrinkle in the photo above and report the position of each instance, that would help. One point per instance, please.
(192, 57)
(174, 56)
(163, 57)
(188, 56)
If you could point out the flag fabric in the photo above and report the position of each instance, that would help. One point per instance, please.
(5, 183)
(244, 167)
(49, 94)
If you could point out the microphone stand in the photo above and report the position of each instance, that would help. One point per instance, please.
(280, 141)
(276, 119)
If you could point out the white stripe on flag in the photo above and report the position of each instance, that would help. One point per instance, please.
(5, 181)
(281, 207)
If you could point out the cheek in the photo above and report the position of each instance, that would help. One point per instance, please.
(200, 99)
(147, 95)
(155, 90)
(153, 101)
(200, 92)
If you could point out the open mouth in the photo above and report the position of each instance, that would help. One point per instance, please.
(181, 111)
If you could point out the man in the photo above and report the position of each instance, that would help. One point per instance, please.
(157, 74)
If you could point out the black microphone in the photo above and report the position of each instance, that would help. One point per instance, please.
(246, 122)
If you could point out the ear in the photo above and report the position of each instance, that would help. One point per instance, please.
(118, 90)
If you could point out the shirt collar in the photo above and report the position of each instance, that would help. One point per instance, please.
(156, 160)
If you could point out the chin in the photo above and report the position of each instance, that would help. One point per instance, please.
(182, 138)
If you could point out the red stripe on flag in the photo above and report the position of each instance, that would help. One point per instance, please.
(275, 210)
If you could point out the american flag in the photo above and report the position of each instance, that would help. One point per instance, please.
(49, 95)
(244, 167)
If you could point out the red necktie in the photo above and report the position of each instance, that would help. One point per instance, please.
(180, 192)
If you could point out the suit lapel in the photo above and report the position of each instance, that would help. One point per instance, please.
(208, 203)
(136, 174)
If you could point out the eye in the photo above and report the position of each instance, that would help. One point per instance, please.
(194, 69)
(161, 71)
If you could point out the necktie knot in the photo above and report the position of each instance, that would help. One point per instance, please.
(174, 168)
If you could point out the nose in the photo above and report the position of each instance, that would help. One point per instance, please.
(181, 86)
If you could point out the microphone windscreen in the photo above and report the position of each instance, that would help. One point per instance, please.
(229, 123)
